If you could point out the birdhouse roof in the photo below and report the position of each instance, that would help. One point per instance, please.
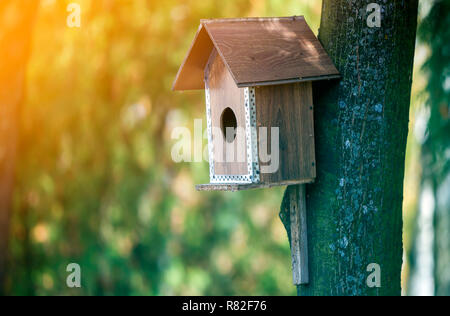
(257, 52)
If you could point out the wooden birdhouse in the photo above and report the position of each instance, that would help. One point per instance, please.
(257, 74)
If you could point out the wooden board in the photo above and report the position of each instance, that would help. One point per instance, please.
(243, 187)
(299, 235)
(258, 51)
(224, 94)
(191, 73)
(290, 108)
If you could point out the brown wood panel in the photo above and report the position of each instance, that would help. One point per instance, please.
(299, 235)
(261, 50)
(290, 108)
(191, 73)
(225, 94)
(258, 51)
(254, 186)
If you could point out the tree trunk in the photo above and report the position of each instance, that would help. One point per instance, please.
(16, 19)
(354, 209)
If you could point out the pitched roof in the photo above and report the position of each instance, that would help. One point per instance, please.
(257, 51)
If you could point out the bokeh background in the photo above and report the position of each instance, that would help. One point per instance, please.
(96, 184)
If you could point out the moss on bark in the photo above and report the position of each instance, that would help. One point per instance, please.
(361, 122)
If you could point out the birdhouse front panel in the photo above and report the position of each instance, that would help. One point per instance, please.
(229, 116)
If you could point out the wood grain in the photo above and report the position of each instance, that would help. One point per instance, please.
(289, 108)
(270, 50)
(258, 51)
(242, 187)
(299, 236)
(225, 94)
(191, 73)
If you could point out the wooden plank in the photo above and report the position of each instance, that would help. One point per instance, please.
(190, 76)
(299, 236)
(289, 108)
(287, 81)
(243, 187)
(257, 51)
(252, 19)
(270, 50)
(225, 94)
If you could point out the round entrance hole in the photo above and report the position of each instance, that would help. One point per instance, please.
(228, 124)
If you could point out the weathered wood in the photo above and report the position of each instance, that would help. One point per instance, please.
(242, 187)
(299, 236)
(225, 94)
(290, 109)
(258, 51)
(287, 81)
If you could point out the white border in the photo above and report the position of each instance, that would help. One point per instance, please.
(253, 175)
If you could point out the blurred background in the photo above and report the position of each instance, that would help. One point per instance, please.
(96, 184)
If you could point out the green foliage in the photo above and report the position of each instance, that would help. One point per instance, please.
(435, 31)
(96, 183)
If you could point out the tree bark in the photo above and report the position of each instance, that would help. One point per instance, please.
(354, 209)
(16, 20)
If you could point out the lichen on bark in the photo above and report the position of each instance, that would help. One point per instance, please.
(361, 127)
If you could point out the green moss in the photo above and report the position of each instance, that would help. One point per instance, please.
(355, 207)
